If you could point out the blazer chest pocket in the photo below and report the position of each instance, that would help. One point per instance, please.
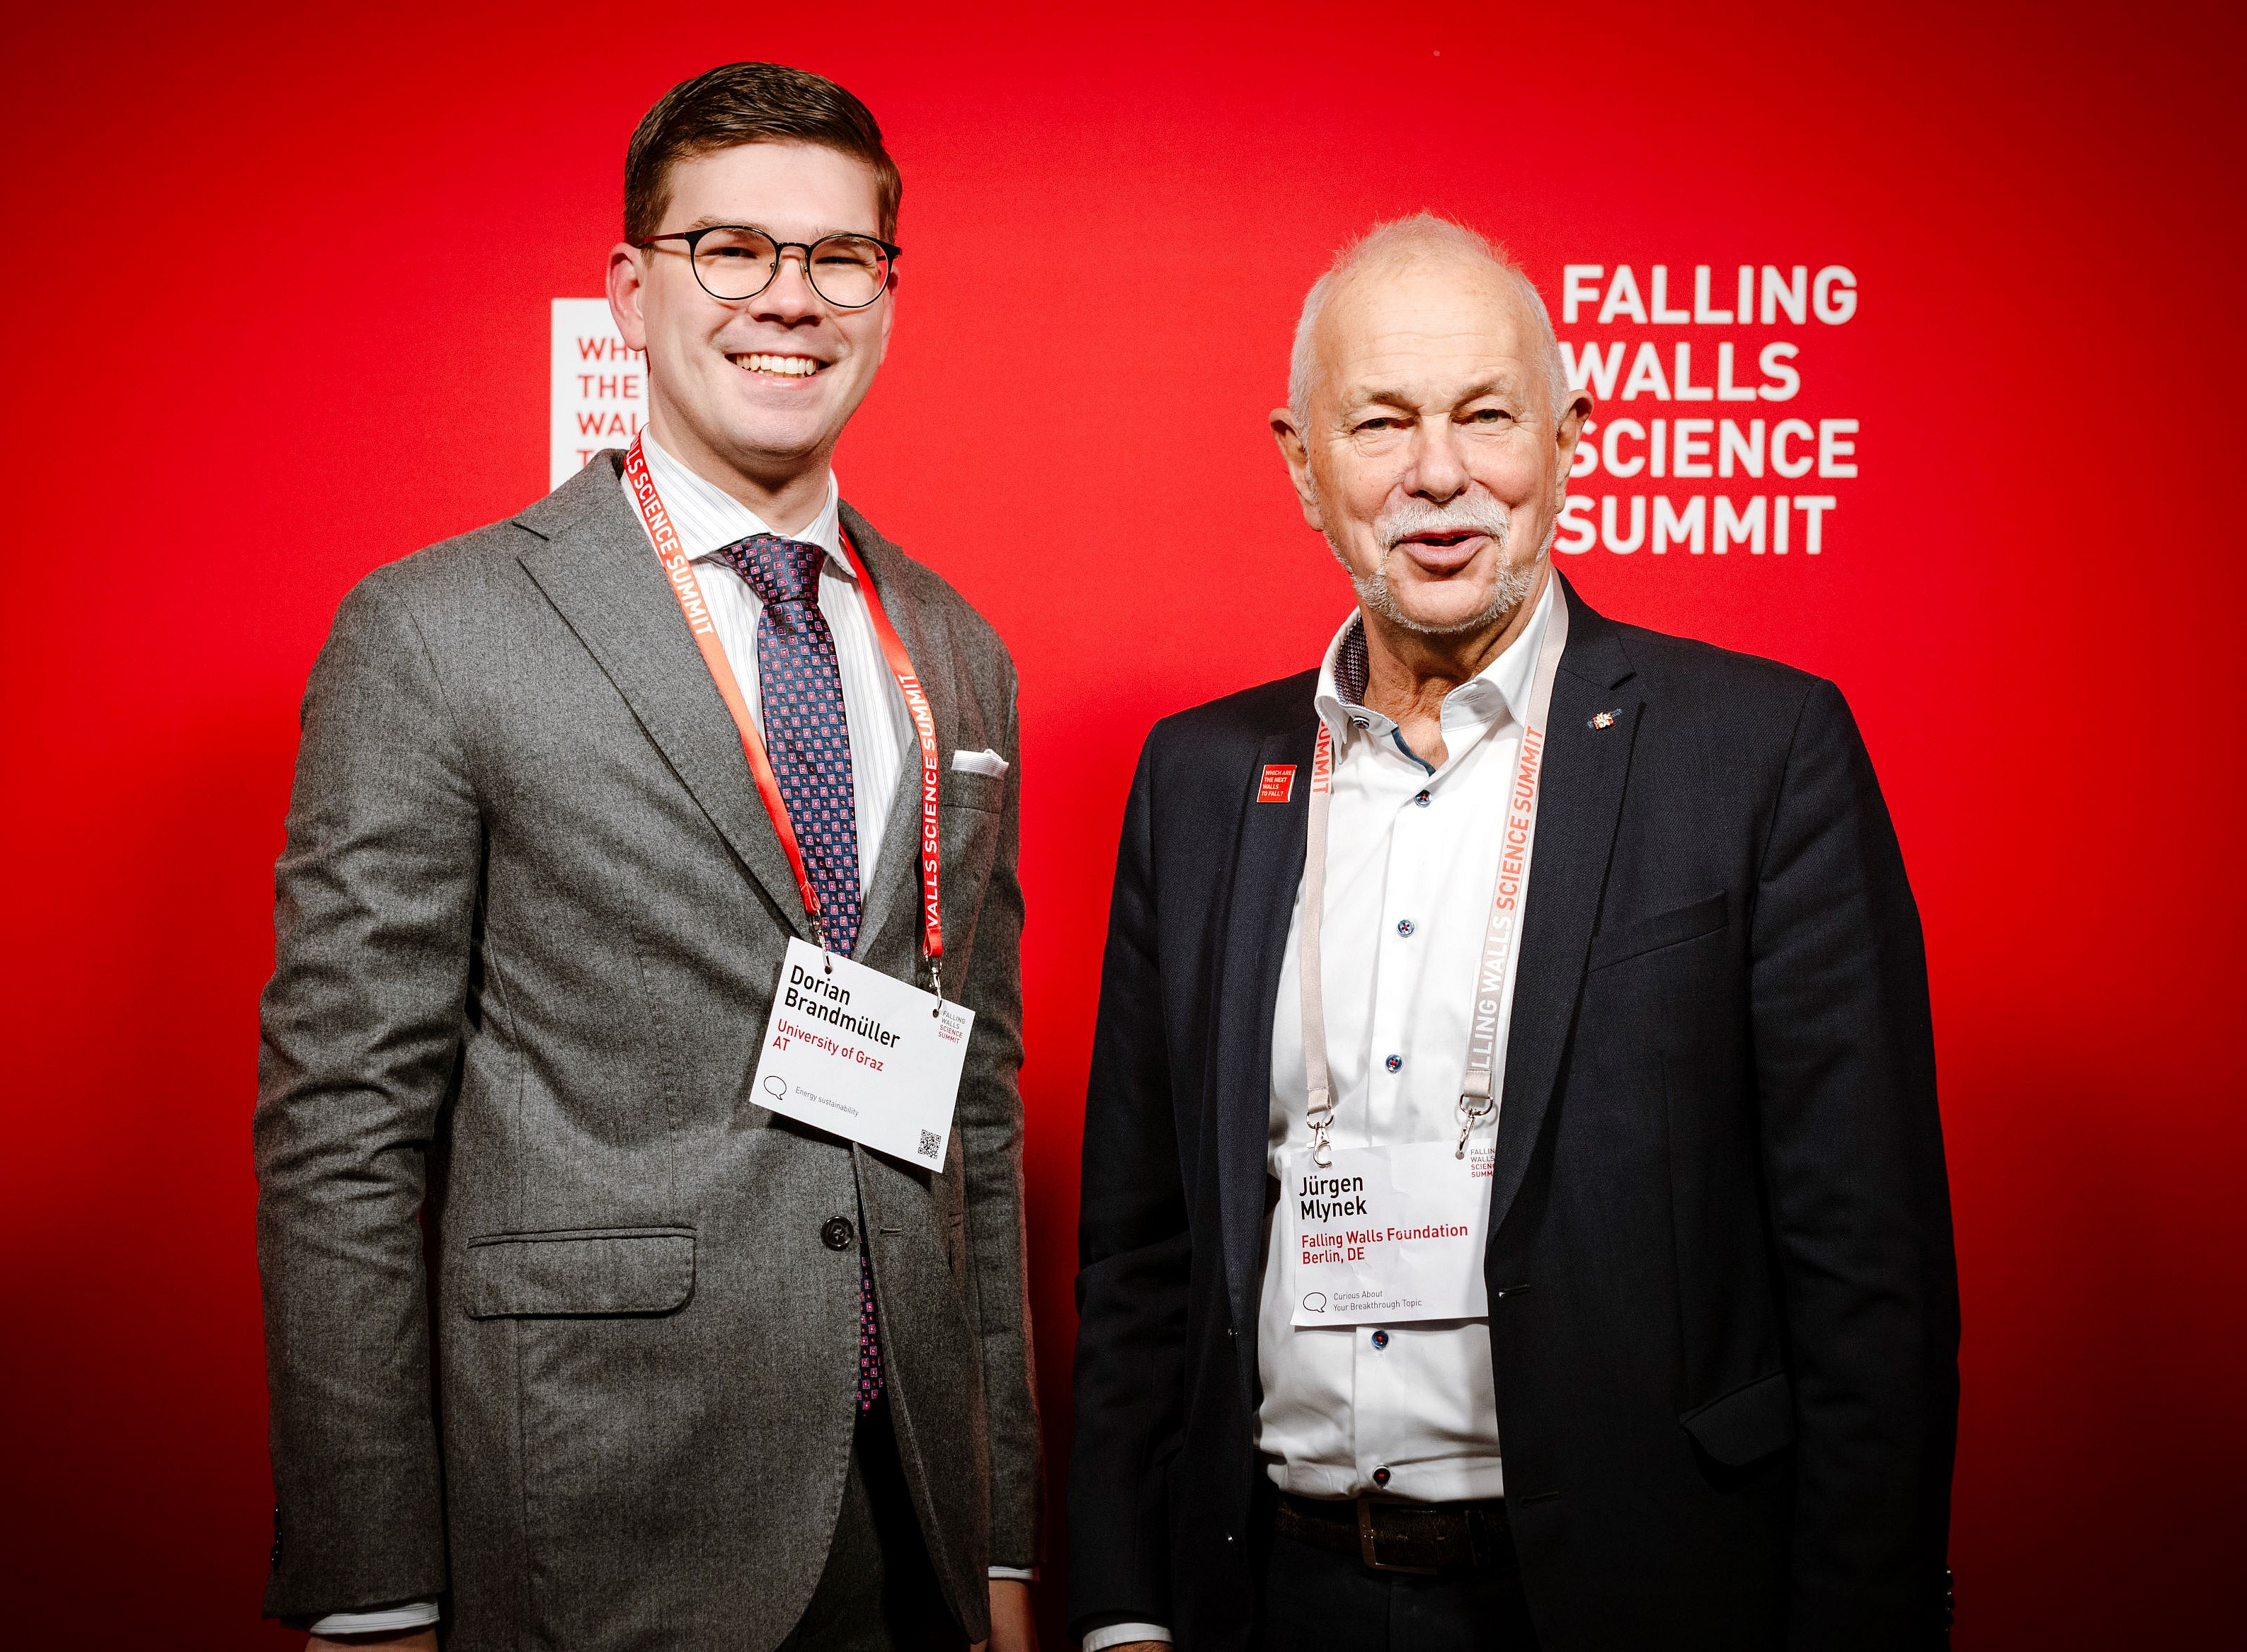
(962, 789)
(1671, 928)
(578, 1272)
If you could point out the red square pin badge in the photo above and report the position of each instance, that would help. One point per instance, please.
(1278, 784)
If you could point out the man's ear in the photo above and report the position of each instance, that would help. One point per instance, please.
(1292, 449)
(1566, 432)
(627, 285)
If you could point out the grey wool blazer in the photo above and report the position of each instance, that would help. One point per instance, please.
(551, 1331)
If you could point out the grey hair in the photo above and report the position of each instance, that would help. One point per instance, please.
(1398, 239)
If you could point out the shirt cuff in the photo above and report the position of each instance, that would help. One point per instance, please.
(1015, 1573)
(410, 1616)
(1123, 1634)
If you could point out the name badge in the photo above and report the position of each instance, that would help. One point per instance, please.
(862, 1054)
(1387, 1234)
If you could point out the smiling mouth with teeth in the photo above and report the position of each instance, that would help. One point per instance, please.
(779, 366)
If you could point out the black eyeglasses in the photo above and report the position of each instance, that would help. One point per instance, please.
(738, 261)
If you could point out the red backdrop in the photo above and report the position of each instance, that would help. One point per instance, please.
(280, 294)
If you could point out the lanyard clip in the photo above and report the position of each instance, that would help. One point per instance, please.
(1319, 1116)
(936, 983)
(1476, 1104)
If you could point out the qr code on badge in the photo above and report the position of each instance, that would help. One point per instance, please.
(928, 1143)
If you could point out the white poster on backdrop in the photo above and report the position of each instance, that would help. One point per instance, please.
(600, 387)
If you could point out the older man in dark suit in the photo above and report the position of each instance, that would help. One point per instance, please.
(1514, 1210)
(688, 1373)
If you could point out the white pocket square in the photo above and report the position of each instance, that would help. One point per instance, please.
(965, 763)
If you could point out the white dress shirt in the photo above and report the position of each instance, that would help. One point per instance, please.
(707, 518)
(1411, 866)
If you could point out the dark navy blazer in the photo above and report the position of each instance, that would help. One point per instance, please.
(1723, 1301)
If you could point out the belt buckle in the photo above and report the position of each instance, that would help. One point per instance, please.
(1368, 1549)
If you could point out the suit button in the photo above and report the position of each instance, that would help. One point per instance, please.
(838, 1234)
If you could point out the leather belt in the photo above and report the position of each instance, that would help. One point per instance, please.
(1387, 1535)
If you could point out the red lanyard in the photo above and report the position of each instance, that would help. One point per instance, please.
(679, 568)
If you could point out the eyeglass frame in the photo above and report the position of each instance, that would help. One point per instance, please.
(694, 240)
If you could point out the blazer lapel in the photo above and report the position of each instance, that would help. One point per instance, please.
(1582, 801)
(595, 566)
(1267, 869)
(893, 891)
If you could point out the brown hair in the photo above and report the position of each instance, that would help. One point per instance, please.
(742, 103)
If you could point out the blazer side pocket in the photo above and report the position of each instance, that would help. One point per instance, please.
(1747, 1423)
(580, 1271)
(1671, 928)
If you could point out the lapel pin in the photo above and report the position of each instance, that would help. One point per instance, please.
(1278, 784)
(1605, 719)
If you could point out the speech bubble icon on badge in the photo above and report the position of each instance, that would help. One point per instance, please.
(775, 1085)
(1315, 1302)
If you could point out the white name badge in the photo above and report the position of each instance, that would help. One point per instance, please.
(862, 1054)
(1386, 1234)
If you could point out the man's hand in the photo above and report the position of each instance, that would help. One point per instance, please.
(1013, 1627)
(421, 1640)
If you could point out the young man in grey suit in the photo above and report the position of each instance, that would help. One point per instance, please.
(571, 1342)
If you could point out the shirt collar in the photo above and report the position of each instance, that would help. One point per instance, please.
(1502, 686)
(708, 518)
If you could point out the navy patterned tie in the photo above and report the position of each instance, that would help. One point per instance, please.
(808, 740)
(806, 734)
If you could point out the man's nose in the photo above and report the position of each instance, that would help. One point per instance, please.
(788, 298)
(1439, 474)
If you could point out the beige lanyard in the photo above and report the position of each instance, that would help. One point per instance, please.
(1488, 1028)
